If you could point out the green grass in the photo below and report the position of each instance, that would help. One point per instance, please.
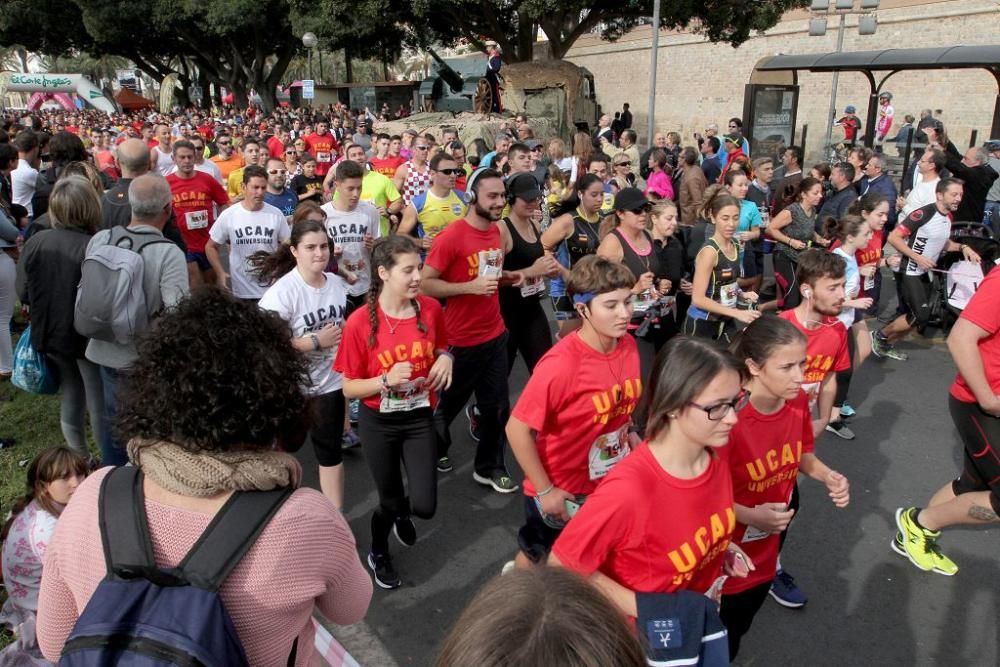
(34, 422)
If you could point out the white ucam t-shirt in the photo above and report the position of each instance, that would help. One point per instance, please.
(307, 310)
(348, 230)
(249, 232)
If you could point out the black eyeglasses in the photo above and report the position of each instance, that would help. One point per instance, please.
(450, 172)
(421, 148)
(719, 411)
(276, 171)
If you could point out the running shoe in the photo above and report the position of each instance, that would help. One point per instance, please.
(444, 464)
(840, 429)
(891, 352)
(847, 411)
(883, 349)
(919, 545)
(785, 592)
(500, 481)
(354, 409)
(351, 439)
(405, 531)
(385, 574)
(472, 414)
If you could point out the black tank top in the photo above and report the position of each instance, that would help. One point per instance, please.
(522, 254)
(584, 239)
(636, 263)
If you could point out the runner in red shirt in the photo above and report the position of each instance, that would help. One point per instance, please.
(465, 268)
(571, 424)
(662, 520)
(820, 278)
(393, 356)
(323, 146)
(382, 161)
(198, 199)
(770, 445)
(974, 403)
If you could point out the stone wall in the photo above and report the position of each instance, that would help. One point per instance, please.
(699, 82)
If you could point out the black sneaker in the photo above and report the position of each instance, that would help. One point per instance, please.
(405, 531)
(500, 481)
(840, 429)
(385, 574)
(444, 464)
(472, 414)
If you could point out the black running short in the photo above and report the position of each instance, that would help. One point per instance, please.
(980, 434)
(915, 294)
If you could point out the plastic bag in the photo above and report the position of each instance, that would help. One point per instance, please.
(31, 372)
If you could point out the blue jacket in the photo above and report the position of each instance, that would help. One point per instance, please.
(681, 628)
(884, 185)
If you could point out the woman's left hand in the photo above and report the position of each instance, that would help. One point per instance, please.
(736, 563)
(439, 375)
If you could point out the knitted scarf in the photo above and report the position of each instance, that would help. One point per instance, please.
(200, 474)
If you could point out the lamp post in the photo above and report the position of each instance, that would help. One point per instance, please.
(309, 40)
(817, 28)
(652, 72)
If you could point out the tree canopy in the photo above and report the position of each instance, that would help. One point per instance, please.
(248, 44)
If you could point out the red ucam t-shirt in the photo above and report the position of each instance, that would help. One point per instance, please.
(461, 253)
(386, 166)
(580, 402)
(356, 360)
(324, 148)
(650, 531)
(826, 351)
(984, 313)
(194, 206)
(763, 455)
(275, 148)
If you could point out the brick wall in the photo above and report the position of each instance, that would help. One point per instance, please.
(699, 82)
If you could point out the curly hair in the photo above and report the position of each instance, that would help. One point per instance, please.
(215, 374)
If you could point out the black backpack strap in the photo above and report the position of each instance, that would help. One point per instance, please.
(128, 549)
(229, 536)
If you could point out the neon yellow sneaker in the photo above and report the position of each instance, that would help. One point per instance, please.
(920, 545)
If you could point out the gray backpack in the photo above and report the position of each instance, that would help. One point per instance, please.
(111, 301)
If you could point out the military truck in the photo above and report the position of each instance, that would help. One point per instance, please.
(554, 89)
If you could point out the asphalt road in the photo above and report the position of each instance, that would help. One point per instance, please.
(868, 606)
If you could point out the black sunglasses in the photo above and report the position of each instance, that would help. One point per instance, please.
(450, 172)
(623, 164)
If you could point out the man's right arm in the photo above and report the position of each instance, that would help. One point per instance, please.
(174, 284)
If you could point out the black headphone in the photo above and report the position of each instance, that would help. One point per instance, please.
(470, 192)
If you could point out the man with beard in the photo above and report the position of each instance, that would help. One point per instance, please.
(323, 146)
(278, 194)
(820, 277)
(465, 268)
(921, 238)
(248, 227)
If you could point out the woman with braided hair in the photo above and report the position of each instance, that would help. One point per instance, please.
(394, 357)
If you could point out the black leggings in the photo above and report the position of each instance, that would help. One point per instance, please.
(980, 434)
(737, 612)
(785, 267)
(844, 377)
(327, 432)
(391, 440)
(528, 331)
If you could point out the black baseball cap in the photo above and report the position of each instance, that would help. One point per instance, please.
(524, 186)
(630, 199)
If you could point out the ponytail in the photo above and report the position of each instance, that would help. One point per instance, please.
(716, 198)
(840, 230)
(269, 267)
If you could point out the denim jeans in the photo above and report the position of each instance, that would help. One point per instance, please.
(112, 451)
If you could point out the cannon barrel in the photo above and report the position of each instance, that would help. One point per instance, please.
(449, 75)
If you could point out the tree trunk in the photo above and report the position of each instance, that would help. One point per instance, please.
(525, 41)
(348, 70)
(206, 92)
(217, 94)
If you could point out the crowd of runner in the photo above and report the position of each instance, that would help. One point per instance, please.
(371, 290)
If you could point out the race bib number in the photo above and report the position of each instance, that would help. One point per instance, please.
(196, 219)
(729, 294)
(869, 283)
(642, 302)
(409, 396)
(533, 287)
(322, 157)
(490, 263)
(753, 534)
(812, 391)
(606, 451)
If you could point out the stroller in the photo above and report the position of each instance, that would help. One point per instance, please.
(956, 280)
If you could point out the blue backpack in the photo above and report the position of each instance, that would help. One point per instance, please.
(145, 616)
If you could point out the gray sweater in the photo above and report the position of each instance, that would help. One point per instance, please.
(165, 282)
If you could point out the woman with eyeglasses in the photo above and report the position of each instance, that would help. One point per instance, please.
(621, 175)
(659, 184)
(661, 521)
(715, 295)
(770, 445)
(293, 166)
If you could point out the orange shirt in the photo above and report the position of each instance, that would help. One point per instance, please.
(226, 167)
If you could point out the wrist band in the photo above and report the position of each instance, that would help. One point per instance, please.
(546, 492)
(315, 341)
(385, 381)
